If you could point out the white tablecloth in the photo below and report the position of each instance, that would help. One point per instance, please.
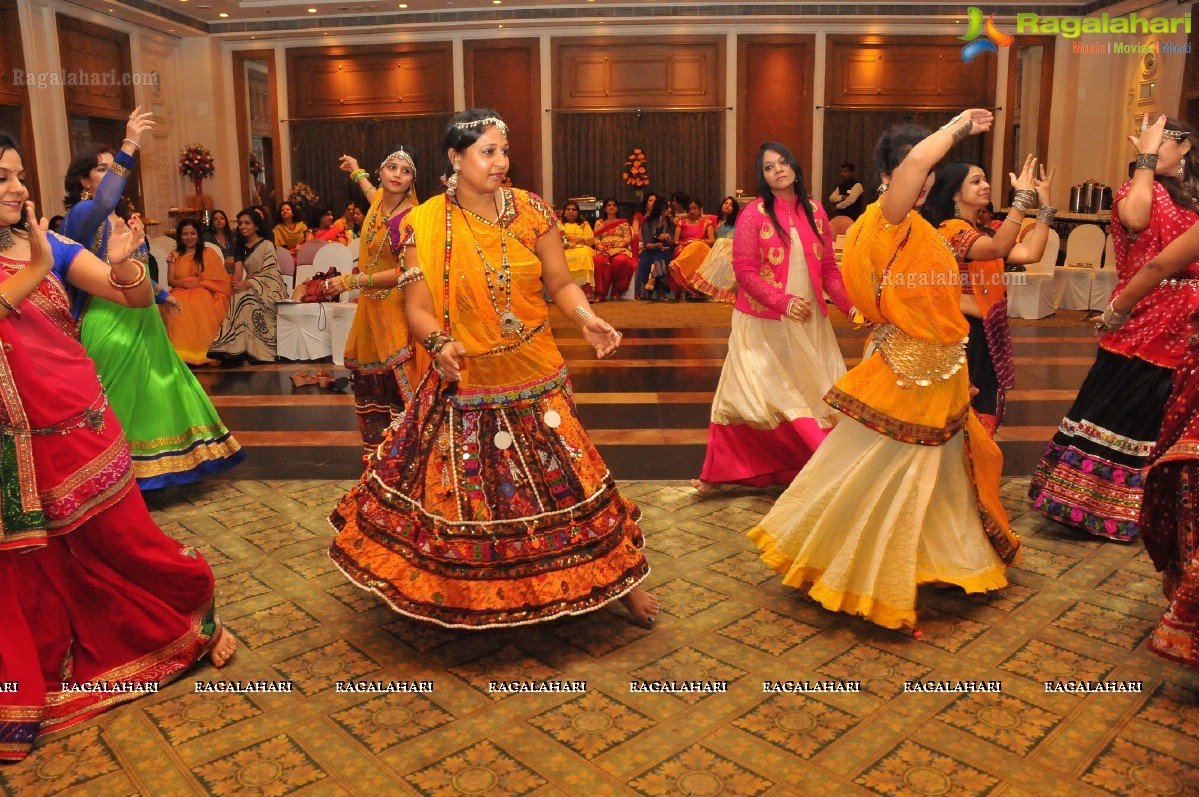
(1083, 288)
(313, 330)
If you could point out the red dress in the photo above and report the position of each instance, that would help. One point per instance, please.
(1170, 516)
(97, 605)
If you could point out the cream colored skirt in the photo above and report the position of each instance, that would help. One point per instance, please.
(870, 518)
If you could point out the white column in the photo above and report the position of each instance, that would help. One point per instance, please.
(48, 105)
(816, 178)
(999, 129)
(459, 60)
(547, 121)
(284, 143)
(730, 116)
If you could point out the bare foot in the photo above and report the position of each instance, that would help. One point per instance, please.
(223, 649)
(641, 606)
(702, 487)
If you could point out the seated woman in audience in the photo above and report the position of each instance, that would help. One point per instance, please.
(328, 229)
(220, 233)
(693, 239)
(635, 225)
(657, 236)
(290, 232)
(202, 288)
(614, 264)
(580, 257)
(715, 277)
(249, 329)
(56, 223)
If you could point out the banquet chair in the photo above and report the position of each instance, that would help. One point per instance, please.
(1074, 283)
(1031, 292)
(287, 264)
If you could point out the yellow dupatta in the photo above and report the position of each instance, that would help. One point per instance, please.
(463, 272)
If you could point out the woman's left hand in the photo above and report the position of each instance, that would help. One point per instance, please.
(171, 306)
(1027, 176)
(125, 239)
(1043, 184)
(602, 336)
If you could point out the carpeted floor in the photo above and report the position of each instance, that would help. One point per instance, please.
(1077, 609)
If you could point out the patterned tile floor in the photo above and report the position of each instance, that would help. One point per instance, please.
(1077, 609)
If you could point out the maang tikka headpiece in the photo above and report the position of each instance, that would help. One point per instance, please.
(486, 122)
(399, 154)
(1174, 135)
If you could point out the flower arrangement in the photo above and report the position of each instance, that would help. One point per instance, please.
(302, 197)
(635, 173)
(256, 169)
(195, 161)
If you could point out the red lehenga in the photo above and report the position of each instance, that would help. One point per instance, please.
(96, 602)
(1170, 515)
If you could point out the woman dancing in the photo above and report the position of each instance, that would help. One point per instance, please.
(1169, 519)
(905, 490)
(488, 505)
(378, 351)
(174, 432)
(1091, 475)
(97, 602)
(959, 193)
(769, 415)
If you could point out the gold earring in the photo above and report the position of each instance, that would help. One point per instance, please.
(85, 195)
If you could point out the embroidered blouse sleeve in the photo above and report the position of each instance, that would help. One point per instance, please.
(87, 216)
(747, 261)
(548, 219)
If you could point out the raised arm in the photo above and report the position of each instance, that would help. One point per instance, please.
(1135, 206)
(358, 176)
(907, 181)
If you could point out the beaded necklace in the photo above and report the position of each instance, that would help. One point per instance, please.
(510, 324)
(376, 222)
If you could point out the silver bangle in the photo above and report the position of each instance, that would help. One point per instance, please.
(1146, 160)
(584, 314)
(1046, 214)
(131, 141)
(1112, 319)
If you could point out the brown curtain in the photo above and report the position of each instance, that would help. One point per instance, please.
(683, 151)
(317, 145)
(850, 136)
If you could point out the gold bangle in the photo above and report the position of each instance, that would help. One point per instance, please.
(9, 306)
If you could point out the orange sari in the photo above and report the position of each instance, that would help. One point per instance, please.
(488, 505)
(204, 304)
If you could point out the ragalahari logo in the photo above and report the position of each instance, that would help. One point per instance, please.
(994, 39)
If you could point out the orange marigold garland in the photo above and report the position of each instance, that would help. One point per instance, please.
(635, 173)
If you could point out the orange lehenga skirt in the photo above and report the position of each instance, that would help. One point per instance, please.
(449, 527)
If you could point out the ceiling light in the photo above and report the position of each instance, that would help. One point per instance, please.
(222, 15)
(403, 5)
(312, 11)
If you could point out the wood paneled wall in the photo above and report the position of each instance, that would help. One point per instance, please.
(505, 74)
(682, 149)
(669, 72)
(665, 96)
(774, 100)
(905, 72)
(398, 80)
(85, 47)
(316, 146)
(14, 99)
(241, 107)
